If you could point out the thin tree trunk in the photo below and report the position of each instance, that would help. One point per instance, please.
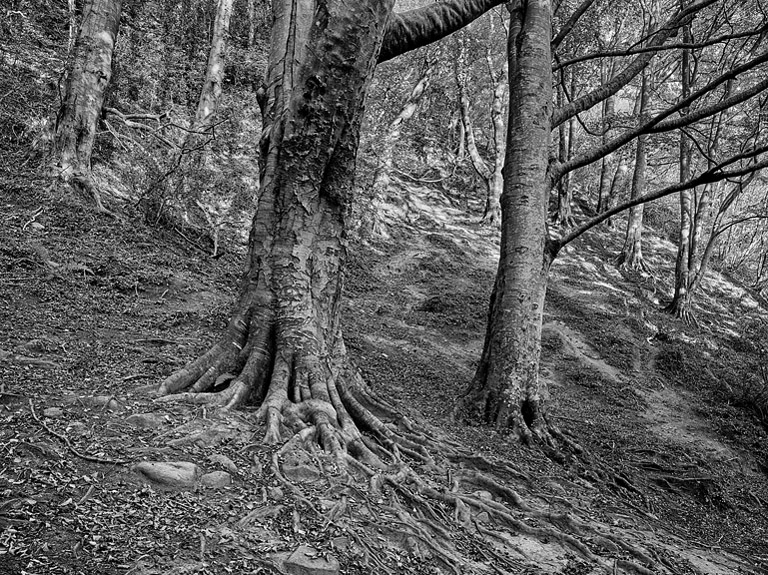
(506, 389)
(72, 25)
(87, 82)
(631, 255)
(251, 23)
(608, 164)
(210, 93)
(566, 140)
(679, 306)
(492, 213)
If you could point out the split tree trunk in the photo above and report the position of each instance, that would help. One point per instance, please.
(86, 85)
(506, 389)
(283, 347)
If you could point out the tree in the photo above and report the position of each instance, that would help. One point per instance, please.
(506, 389)
(284, 346)
(87, 82)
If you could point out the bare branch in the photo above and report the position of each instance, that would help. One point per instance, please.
(633, 69)
(714, 174)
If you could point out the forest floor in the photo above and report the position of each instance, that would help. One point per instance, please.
(95, 311)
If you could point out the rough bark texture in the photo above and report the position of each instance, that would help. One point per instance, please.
(86, 85)
(506, 389)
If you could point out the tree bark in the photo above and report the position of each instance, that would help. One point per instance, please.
(86, 85)
(506, 389)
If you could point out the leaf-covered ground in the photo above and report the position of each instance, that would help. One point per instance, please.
(95, 311)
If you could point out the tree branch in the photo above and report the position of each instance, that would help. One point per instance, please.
(416, 28)
(714, 174)
(657, 124)
(633, 69)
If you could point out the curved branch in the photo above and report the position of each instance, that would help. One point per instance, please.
(416, 28)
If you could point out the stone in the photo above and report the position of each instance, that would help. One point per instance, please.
(308, 561)
(224, 461)
(276, 494)
(145, 420)
(216, 479)
(103, 401)
(53, 412)
(169, 473)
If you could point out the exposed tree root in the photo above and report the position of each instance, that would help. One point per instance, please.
(631, 260)
(680, 308)
(418, 482)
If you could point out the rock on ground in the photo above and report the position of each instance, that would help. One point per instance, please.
(169, 473)
(216, 479)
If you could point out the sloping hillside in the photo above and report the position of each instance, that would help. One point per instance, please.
(96, 311)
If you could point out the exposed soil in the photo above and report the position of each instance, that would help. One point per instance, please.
(96, 311)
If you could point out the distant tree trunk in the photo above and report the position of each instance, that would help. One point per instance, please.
(506, 389)
(251, 23)
(680, 304)
(72, 25)
(492, 176)
(608, 164)
(87, 82)
(210, 93)
(631, 255)
(492, 212)
(386, 159)
(566, 141)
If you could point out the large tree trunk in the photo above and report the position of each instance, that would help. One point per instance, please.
(87, 82)
(283, 346)
(506, 389)
(631, 255)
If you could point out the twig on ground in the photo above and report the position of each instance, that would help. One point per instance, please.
(69, 445)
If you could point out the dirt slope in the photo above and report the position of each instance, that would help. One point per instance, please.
(94, 311)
